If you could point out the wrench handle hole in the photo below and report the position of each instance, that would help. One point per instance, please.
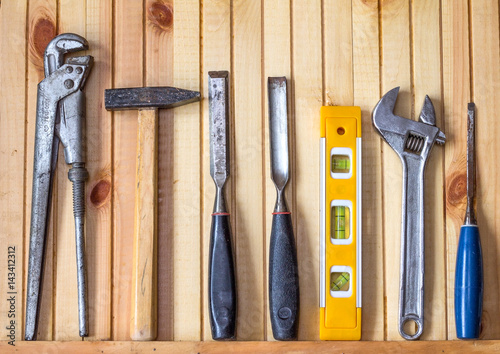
(340, 131)
(410, 327)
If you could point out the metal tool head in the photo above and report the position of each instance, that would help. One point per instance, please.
(148, 98)
(278, 130)
(407, 136)
(58, 47)
(86, 62)
(218, 112)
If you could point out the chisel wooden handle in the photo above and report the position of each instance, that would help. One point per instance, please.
(144, 291)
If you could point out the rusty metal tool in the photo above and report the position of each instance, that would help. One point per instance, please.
(283, 268)
(147, 100)
(412, 141)
(60, 117)
(221, 283)
(469, 268)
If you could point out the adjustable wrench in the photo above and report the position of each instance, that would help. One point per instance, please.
(412, 141)
(60, 117)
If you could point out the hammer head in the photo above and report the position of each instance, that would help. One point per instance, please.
(148, 97)
(407, 136)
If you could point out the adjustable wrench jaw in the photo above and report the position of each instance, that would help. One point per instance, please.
(408, 138)
(412, 141)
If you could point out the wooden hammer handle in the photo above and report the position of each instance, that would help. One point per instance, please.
(144, 289)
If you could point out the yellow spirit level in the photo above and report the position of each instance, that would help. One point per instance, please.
(340, 224)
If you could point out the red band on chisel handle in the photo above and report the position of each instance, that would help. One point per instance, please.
(282, 212)
(215, 214)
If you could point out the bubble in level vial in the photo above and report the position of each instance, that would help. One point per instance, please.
(340, 281)
(341, 222)
(341, 164)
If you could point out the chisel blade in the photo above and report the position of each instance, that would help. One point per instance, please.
(278, 128)
(218, 108)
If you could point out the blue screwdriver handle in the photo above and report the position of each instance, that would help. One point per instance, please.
(469, 283)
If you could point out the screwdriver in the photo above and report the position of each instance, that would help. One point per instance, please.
(469, 267)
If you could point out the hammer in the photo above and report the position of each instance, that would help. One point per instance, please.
(147, 100)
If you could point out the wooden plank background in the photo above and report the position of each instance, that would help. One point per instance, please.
(333, 52)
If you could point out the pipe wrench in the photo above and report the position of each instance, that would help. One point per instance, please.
(412, 141)
(60, 117)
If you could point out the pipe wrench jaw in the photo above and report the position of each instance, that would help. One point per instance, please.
(58, 47)
(70, 122)
(64, 81)
(86, 61)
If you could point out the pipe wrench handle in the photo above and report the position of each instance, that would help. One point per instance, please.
(51, 90)
(71, 132)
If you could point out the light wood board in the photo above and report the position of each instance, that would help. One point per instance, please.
(333, 52)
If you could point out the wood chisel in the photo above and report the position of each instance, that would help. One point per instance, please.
(221, 283)
(469, 268)
(340, 224)
(283, 269)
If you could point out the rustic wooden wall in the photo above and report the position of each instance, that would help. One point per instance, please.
(333, 52)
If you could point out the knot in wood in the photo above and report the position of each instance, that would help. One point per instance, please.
(100, 193)
(457, 188)
(42, 32)
(161, 15)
